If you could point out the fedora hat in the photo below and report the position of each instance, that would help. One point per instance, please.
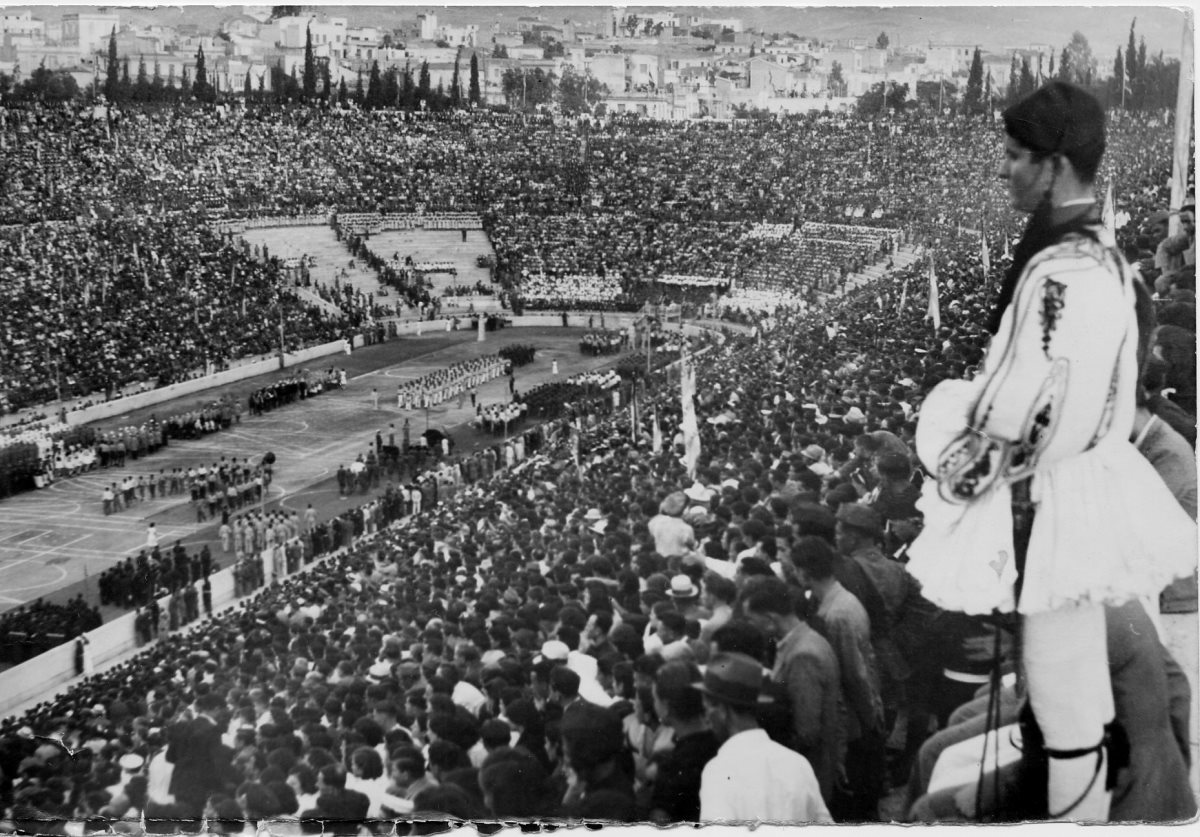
(735, 679)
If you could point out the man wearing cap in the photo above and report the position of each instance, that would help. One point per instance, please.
(858, 532)
(751, 778)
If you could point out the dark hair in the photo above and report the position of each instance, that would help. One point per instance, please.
(815, 556)
(368, 760)
(446, 755)
(1060, 118)
(495, 733)
(673, 686)
(768, 595)
(740, 637)
(720, 588)
(516, 783)
(333, 775)
(305, 776)
(565, 682)
(813, 519)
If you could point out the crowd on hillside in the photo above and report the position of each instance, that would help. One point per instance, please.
(530, 645)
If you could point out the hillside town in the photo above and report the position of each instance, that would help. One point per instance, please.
(656, 63)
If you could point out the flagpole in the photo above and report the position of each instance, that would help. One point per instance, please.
(1183, 123)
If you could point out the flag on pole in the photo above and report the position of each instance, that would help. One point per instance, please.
(1007, 252)
(145, 278)
(1108, 215)
(657, 438)
(1181, 149)
(633, 418)
(689, 426)
(903, 295)
(984, 255)
(935, 308)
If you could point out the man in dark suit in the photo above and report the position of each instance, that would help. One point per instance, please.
(201, 760)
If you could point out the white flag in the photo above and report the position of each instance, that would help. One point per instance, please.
(903, 294)
(656, 444)
(1109, 215)
(689, 426)
(984, 255)
(935, 308)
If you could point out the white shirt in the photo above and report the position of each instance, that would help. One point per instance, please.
(468, 697)
(754, 779)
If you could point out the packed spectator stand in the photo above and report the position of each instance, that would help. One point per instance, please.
(566, 600)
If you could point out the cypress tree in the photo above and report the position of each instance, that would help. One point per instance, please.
(455, 85)
(247, 89)
(142, 89)
(200, 87)
(374, 86)
(423, 88)
(112, 72)
(310, 68)
(973, 100)
(473, 93)
(408, 91)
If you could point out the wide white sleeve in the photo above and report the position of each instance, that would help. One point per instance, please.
(1047, 387)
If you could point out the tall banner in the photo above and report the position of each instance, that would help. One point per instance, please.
(657, 438)
(1108, 214)
(935, 309)
(689, 425)
(1183, 121)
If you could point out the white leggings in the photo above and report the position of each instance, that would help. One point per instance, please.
(1070, 691)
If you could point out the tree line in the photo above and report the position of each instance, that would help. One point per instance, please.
(1139, 83)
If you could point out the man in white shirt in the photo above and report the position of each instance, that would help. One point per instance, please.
(751, 778)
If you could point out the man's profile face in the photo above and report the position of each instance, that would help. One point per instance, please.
(1027, 179)
(717, 716)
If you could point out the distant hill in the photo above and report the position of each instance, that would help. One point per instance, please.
(995, 28)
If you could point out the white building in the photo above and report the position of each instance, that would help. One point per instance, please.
(22, 24)
(328, 33)
(459, 36)
(88, 31)
(948, 59)
(427, 26)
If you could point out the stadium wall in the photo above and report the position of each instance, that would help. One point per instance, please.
(149, 398)
(39, 676)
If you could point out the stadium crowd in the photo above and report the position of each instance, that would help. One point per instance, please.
(529, 644)
(68, 239)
